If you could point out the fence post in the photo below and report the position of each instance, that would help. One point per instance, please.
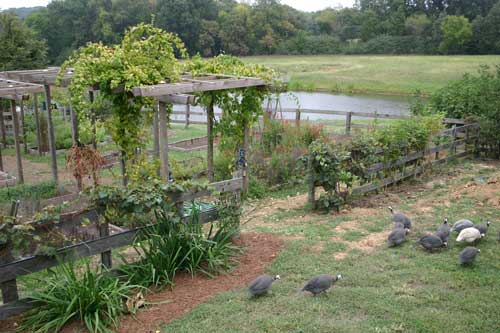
(348, 121)
(52, 139)
(2, 125)
(210, 138)
(297, 118)
(103, 224)
(163, 123)
(23, 126)
(188, 110)
(37, 122)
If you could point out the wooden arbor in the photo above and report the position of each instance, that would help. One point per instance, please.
(169, 93)
(16, 91)
(43, 79)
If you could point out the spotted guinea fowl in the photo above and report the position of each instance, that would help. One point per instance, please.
(321, 283)
(261, 285)
(483, 228)
(401, 218)
(397, 237)
(468, 255)
(461, 225)
(469, 235)
(444, 231)
(431, 242)
(398, 225)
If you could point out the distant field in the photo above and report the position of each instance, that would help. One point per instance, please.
(373, 74)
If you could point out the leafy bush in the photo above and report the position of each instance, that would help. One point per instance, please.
(170, 246)
(68, 293)
(476, 97)
(28, 192)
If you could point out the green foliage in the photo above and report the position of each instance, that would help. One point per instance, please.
(170, 246)
(474, 96)
(68, 293)
(457, 32)
(337, 167)
(146, 55)
(21, 49)
(23, 192)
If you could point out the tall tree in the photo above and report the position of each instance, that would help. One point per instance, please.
(21, 49)
(457, 32)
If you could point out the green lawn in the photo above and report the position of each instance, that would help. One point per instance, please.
(384, 290)
(372, 74)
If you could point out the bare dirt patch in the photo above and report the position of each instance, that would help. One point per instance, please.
(369, 243)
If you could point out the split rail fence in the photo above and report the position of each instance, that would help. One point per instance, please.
(460, 138)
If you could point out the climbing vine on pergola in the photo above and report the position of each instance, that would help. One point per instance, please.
(145, 67)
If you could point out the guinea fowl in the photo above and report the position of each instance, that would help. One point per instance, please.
(444, 231)
(483, 228)
(401, 218)
(461, 225)
(469, 235)
(261, 285)
(398, 225)
(431, 242)
(468, 255)
(321, 283)
(397, 237)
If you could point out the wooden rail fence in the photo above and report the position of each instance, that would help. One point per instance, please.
(110, 237)
(460, 138)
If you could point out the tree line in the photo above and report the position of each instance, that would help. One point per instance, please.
(211, 27)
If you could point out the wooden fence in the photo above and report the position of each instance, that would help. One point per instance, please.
(109, 237)
(417, 162)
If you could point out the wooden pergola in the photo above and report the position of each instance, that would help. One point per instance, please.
(171, 93)
(41, 80)
(17, 91)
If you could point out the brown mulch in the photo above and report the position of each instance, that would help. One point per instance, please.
(260, 251)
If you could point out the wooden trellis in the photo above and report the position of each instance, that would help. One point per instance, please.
(17, 91)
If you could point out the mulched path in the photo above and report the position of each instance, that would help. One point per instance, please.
(261, 250)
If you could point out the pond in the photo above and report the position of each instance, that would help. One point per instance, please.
(328, 101)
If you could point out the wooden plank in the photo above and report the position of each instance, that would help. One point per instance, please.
(187, 116)
(163, 123)
(19, 162)
(198, 86)
(454, 121)
(34, 264)
(52, 139)
(178, 99)
(23, 127)
(222, 187)
(15, 308)
(156, 132)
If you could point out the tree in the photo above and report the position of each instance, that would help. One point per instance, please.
(21, 49)
(487, 32)
(417, 25)
(457, 32)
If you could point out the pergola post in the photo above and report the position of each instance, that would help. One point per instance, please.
(52, 140)
(37, 122)
(23, 126)
(246, 140)
(19, 161)
(210, 138)
(93, 120)
(74, 126)
(156, 127)
(163, 123)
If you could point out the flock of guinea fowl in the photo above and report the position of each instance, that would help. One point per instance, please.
(468, 232)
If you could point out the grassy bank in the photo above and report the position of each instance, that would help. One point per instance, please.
(384, 290)
(372, 74)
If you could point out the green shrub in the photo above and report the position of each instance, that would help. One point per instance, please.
(476, 97)
(68, 293)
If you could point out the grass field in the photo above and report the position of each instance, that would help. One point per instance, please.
(384, 290)
(372, 74)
